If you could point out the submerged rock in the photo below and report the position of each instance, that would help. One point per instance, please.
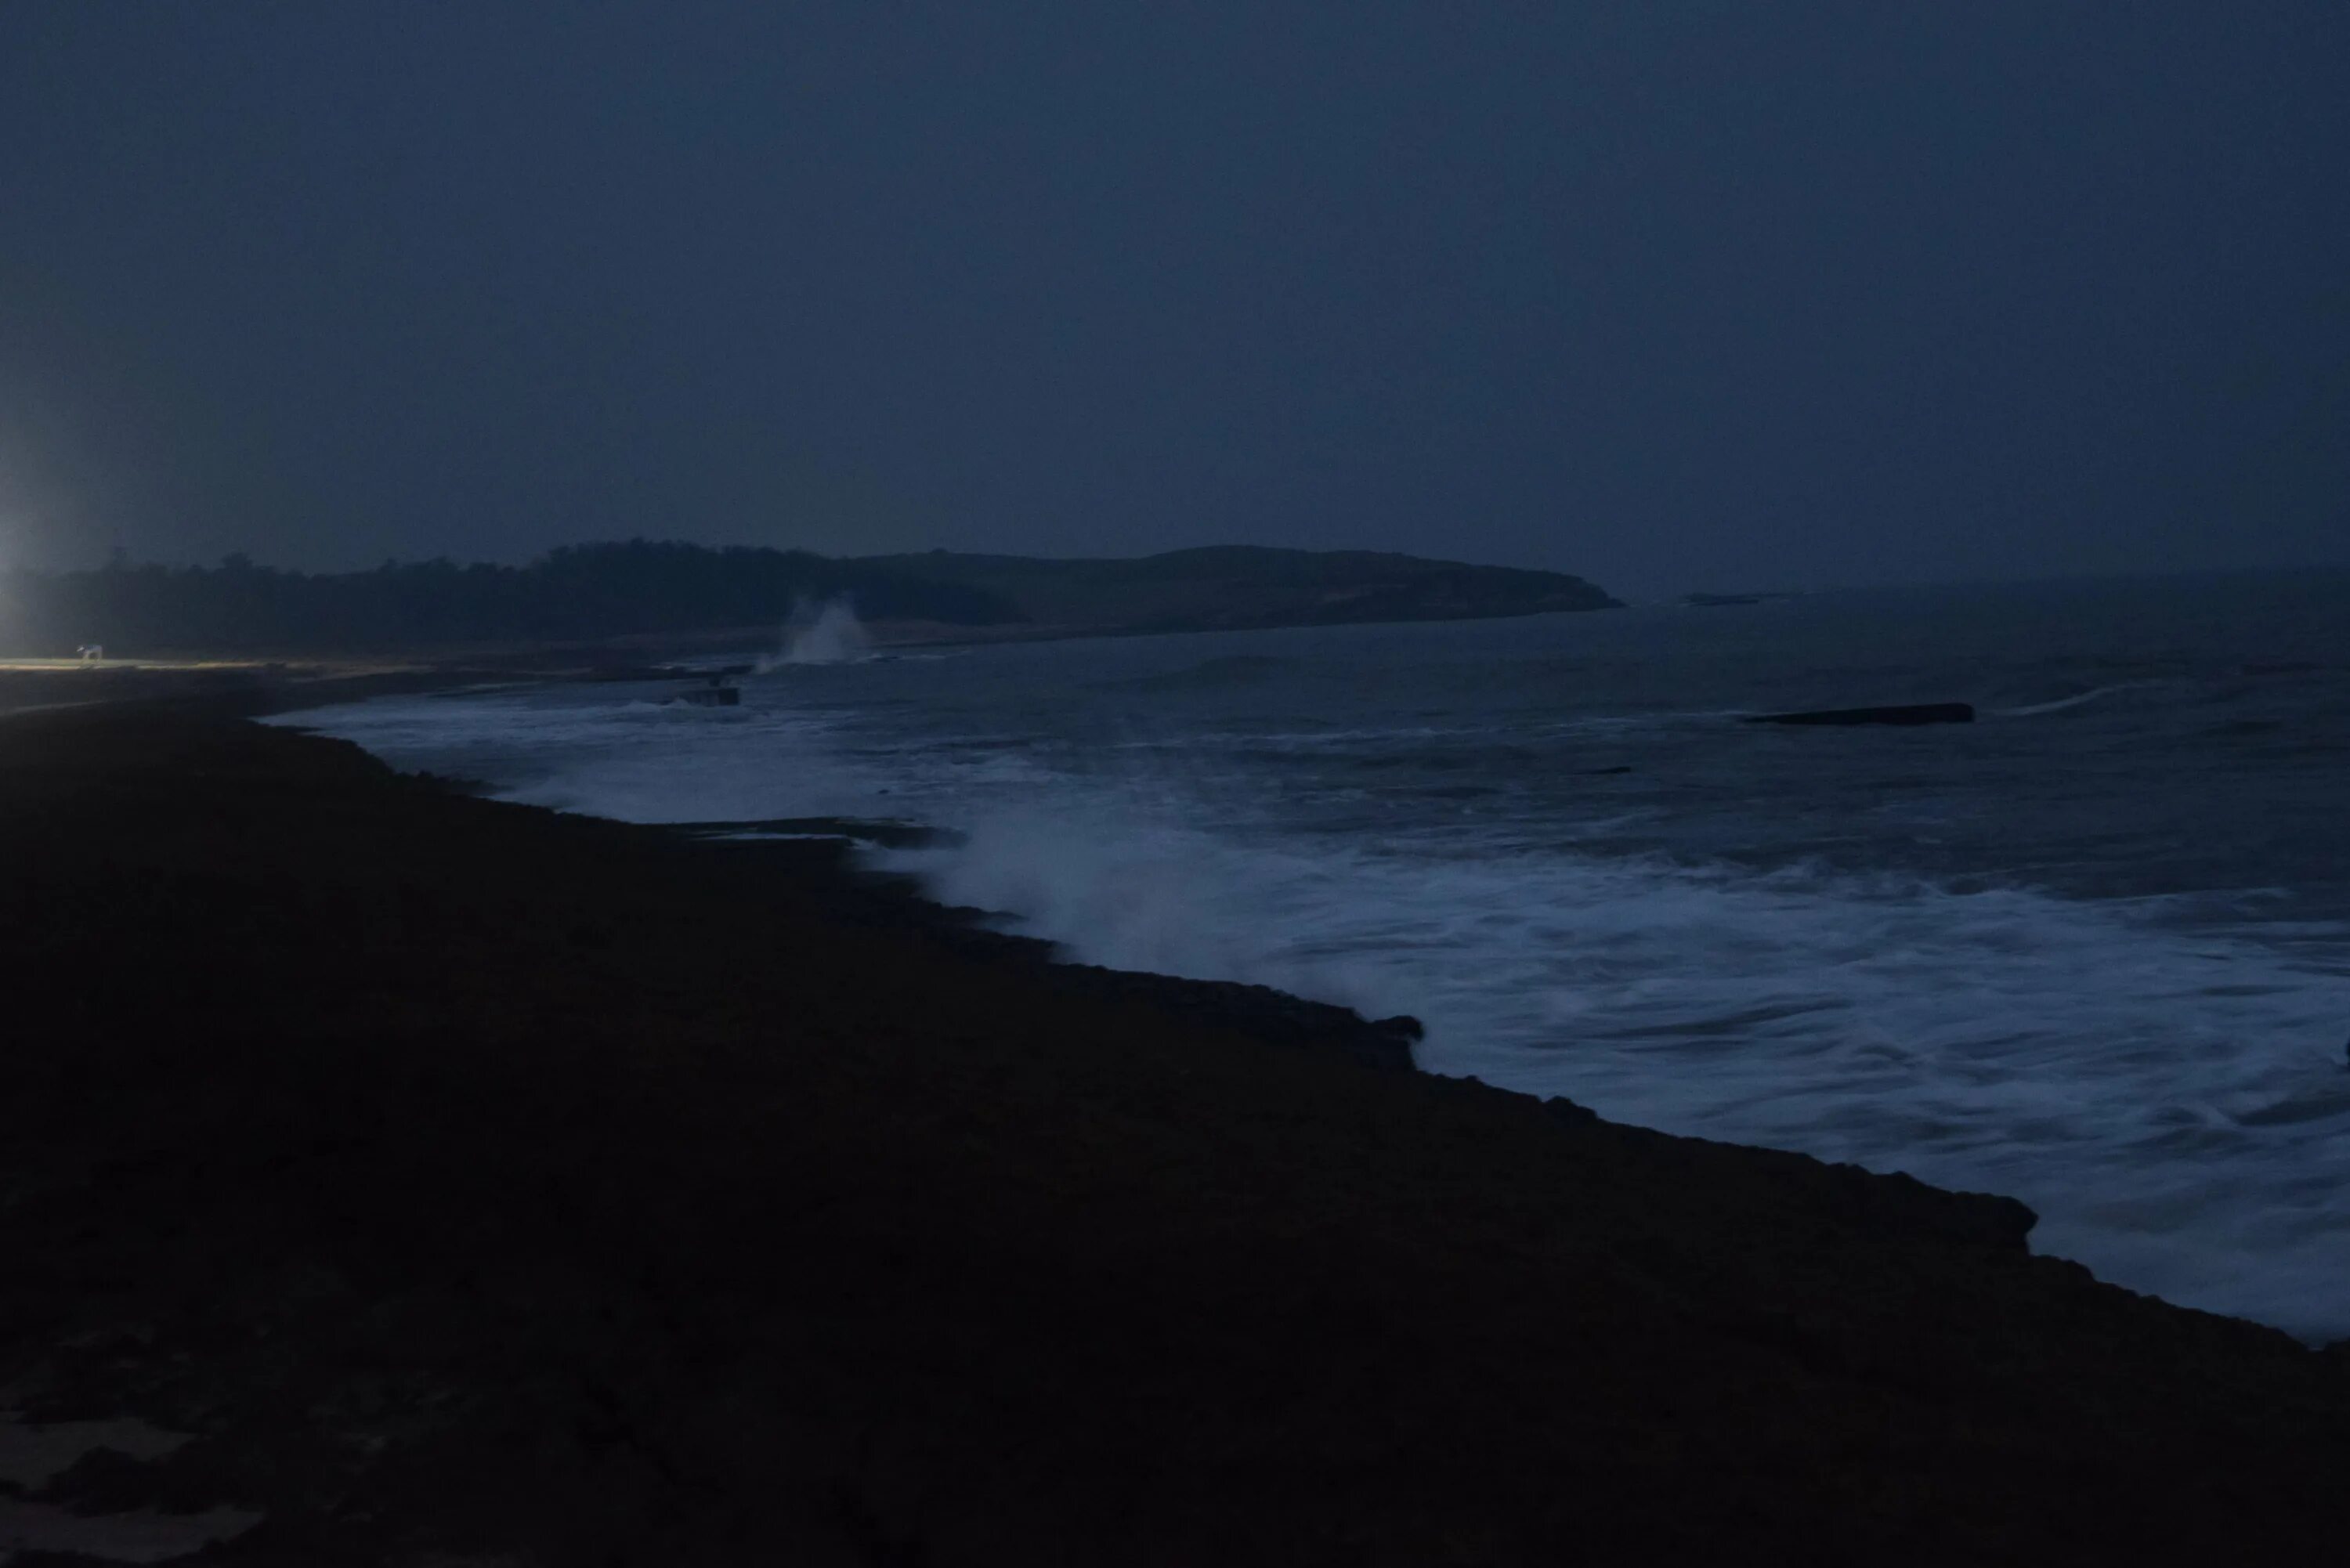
(1898, 714)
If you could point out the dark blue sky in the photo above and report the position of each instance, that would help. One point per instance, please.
(1677, 295)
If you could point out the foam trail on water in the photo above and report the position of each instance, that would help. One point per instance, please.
(2063, 704)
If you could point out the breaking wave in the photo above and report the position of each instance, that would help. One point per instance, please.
(2150, 1091)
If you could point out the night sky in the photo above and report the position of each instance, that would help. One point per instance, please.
(1675, 295)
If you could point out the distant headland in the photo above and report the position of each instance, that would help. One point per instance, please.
(640, 589)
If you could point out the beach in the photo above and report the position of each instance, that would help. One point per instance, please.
(469, 1181)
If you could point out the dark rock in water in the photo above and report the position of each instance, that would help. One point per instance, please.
(714, 695)
(1733, 601)
(888, 832)
(1899, 713)
(1214, 674)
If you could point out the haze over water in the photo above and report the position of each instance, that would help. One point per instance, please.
(2092, 951)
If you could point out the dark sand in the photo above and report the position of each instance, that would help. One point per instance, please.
(480, 1185)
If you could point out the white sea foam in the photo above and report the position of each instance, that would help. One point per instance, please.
(2161, 1097)
(820, 633)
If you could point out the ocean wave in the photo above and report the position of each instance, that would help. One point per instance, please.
(2001, 1039)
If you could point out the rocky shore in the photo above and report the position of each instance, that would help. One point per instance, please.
(389, 1176)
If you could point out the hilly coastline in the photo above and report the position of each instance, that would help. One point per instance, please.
(1240, 587)
(640, 594)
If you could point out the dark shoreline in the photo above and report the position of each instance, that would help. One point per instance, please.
(881, 899)
(471, 1179)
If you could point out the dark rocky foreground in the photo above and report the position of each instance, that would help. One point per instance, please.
(477, 1185)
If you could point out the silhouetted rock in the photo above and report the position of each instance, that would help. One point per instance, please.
(1900, 713)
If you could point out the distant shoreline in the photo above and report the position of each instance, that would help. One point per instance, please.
(605, 597)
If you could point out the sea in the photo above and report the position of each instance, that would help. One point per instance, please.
(2092, 950)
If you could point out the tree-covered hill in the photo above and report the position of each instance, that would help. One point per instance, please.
(1233, 587)
(579, 593)
(595, 593)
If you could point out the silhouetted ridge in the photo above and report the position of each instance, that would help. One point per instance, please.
(577, 592)
(585, 593)
(1233, 586)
